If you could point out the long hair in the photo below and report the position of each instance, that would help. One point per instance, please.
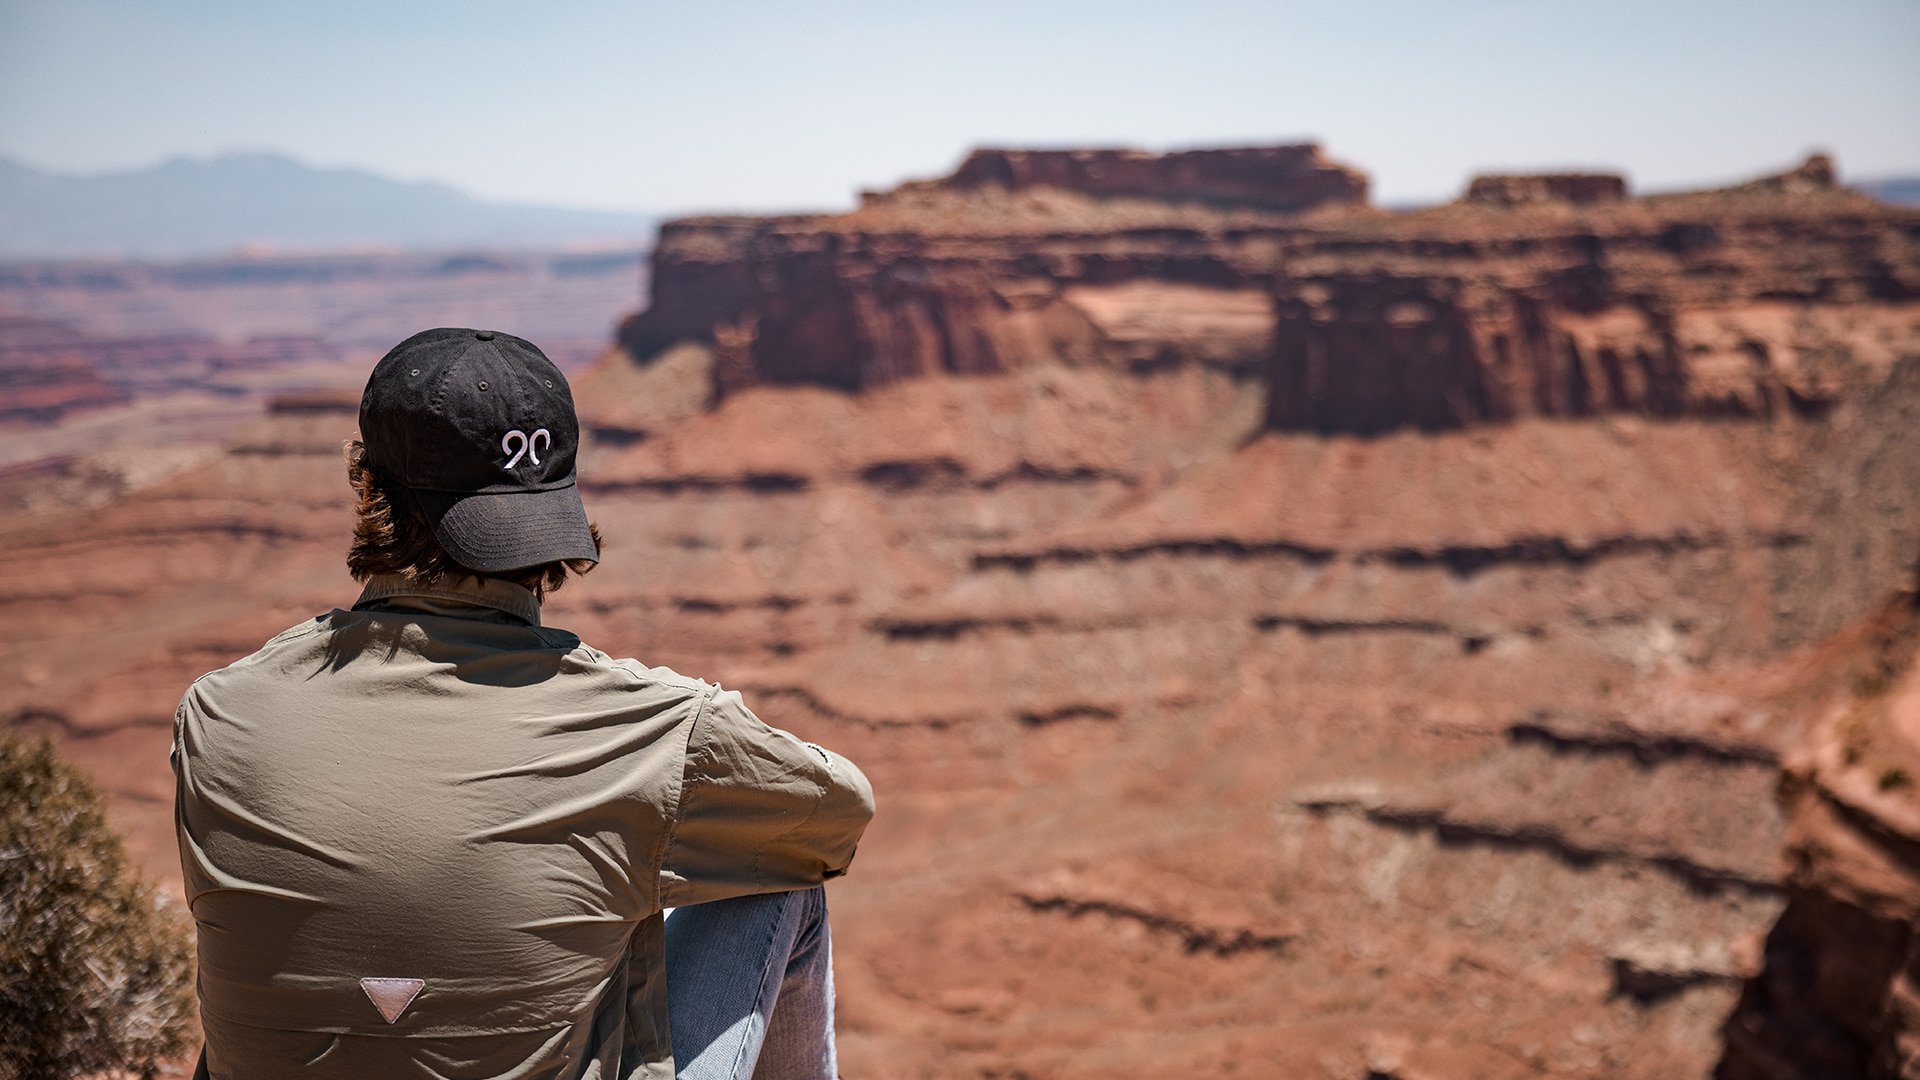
(391, 535)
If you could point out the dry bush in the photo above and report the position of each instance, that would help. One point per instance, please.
(94, 970)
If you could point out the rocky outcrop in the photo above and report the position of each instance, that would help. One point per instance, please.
(1572, 189)
(1285, 178)
(1839, 994)
(1379, 349)
(1539, 296)
(1815, 174)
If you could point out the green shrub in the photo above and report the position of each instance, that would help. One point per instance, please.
(94, 973)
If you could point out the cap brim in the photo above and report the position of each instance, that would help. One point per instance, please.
(511, 530)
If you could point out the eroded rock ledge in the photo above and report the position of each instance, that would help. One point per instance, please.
(1296, 177)
(1550, 295)
(1840, 991)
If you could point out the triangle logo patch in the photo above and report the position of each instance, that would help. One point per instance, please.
(391, 996)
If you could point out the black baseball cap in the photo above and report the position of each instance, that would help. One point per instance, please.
(479, 427)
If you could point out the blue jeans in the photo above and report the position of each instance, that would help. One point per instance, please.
(750, 988)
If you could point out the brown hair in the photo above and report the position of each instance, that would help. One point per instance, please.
(391, 535)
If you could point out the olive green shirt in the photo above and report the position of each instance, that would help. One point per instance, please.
(482, 817)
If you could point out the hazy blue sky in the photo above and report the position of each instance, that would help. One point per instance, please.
(713, 104)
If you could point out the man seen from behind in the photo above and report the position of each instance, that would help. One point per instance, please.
(429, 836)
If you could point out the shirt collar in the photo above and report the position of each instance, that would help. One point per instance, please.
(453, 593)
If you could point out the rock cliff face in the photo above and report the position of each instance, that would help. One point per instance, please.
(1839, 990)
(1839, 979)
(1370, 612)
(1578, 189)
(1263, 670)
(1751, 302)
(1298, 177)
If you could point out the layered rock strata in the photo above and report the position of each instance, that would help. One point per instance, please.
(1288, 178)
(1752, 302)
(1838, 993)
(1414, 734)
(51, 368)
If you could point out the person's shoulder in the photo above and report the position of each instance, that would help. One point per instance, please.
(302, 629)
(299, 635)
(638, 675)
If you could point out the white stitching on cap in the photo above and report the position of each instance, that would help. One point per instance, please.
(529, 445)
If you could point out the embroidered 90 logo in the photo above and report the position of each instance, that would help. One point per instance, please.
(517, 443)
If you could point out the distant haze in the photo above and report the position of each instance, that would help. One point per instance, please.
(1901, 191)
(267, 201)
(773, 104)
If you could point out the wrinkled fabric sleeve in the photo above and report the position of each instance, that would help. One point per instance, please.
(759, 811)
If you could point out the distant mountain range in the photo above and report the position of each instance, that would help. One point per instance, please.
(206, 206)
(1899, 190)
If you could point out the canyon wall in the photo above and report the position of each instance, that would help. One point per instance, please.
(1767, 298)
(1399, 618)
(1340, 643)
(1838, 991)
